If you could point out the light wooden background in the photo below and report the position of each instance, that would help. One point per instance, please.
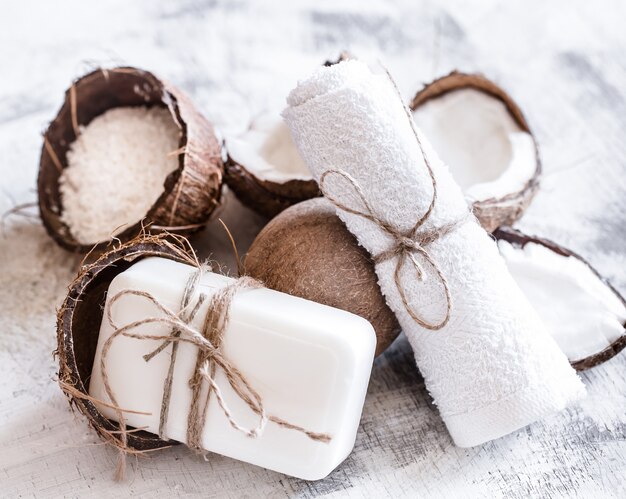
(565, 63)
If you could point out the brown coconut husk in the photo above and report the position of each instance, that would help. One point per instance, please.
(519, 239)
(190, 193)
(78, 327)
(268, 197)
(495, 212)
(308, 252)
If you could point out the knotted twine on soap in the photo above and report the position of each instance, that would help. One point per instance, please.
(208, 340)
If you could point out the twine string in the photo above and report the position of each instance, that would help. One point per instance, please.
(187, 317)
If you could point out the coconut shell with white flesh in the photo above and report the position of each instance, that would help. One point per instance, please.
(308, 252)
(190, 193)
(585, 314)
(264, 168)
(482, 135)
(78, 324)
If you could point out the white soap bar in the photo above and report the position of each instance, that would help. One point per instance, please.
(309, 362)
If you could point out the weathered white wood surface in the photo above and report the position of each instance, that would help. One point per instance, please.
(563, 61)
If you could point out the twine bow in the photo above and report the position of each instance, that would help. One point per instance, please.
(408, 244)
(209, 359)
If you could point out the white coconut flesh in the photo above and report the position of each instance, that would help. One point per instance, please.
(487, 152)
(582, 313)
(267, 151)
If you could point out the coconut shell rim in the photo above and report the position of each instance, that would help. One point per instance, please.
(519, 240)
(169, 101)
(496, 211)
(165, 245)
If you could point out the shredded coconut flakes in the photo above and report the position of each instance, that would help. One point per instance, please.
(116, 170)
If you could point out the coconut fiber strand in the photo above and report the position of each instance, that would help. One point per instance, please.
(486, 357)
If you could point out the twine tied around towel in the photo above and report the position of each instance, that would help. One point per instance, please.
(208, 340)
(407, 244)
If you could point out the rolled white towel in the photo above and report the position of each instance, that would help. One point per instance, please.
(492, 368)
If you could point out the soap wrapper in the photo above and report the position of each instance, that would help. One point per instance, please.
(309, 363)
(492, 368)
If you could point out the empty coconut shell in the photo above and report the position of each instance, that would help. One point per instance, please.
(78, 326)
(307, 251)
(190, 193)
(584, 313)
(497, 128)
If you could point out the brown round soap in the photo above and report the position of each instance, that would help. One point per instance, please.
(307, 251)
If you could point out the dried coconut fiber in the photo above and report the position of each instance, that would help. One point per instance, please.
(116, 170)
(485, 355)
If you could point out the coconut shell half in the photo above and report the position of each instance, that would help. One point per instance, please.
(267, 197)
(563, 303)
(78, 327)
(265, 188)
(190, 193)
(502, 209)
